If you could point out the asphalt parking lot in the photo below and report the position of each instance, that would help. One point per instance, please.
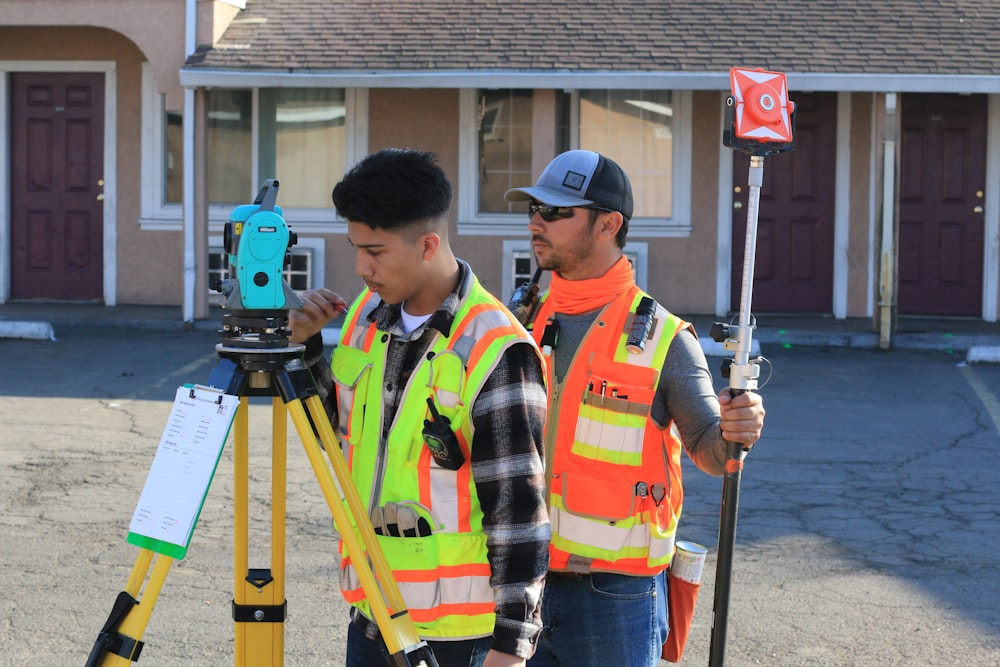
(867, 533)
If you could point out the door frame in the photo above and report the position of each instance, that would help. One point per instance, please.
(110, 225)
(991, 214)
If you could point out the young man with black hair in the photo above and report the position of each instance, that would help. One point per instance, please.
(464, 525)
(621, 410)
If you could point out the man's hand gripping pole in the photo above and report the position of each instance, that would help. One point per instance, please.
(759, 121)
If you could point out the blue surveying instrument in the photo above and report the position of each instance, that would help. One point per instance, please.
(257, 240)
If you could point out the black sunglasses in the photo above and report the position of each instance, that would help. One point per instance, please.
(553, 213)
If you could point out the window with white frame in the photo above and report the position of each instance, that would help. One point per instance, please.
(635, 128)
(521, 268)
(303, 142)
(162, 172)
(297, 272)
(229, 134)
(646, 131)
(504, 146)
(304, 137)
(303, 271)
(173, 158)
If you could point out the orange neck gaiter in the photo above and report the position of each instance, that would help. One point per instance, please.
(573, 297)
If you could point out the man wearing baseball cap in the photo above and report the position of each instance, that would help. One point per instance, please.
(629, 389)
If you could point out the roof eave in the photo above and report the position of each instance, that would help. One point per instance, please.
(203, 77)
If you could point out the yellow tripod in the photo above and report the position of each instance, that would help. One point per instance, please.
(269, 366)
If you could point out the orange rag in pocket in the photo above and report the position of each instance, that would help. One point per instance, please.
(681, 598)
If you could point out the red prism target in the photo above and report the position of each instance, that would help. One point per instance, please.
(763, 111)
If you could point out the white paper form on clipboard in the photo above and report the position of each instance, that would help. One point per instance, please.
(182, 470)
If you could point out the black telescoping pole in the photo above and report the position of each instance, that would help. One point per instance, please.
(743, 374)
(727, 546)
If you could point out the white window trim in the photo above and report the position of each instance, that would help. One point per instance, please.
(154, 214)
(841, 206)
(724, 217)
(471, 222)
(158, 216)
(315, 244)
(639, 249)
(991, 258)
(507, 273)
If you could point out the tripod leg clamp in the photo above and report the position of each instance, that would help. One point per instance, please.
(258, 613)
(110, 640)
(124, 646)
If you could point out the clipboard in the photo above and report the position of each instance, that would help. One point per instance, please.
(182, 470)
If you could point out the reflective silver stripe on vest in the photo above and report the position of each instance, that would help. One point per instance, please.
(444, 497)
(614, 439)
(600, 534)
(430, 594)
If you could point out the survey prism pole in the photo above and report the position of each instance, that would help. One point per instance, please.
(759, 120)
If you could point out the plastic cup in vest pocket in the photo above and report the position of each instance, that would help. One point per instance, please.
(688, 561)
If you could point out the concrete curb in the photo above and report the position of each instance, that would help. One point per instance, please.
(975, 347)
(804, 338)
(983, 354)
(29, 330)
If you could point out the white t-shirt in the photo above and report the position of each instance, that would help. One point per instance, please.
(411, 322)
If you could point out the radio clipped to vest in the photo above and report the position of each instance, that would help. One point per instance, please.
(642, 326)
(441, 440)
(524, 303)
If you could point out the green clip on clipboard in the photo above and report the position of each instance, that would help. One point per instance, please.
(182, 470)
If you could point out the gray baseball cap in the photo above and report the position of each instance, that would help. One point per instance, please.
(580, 178)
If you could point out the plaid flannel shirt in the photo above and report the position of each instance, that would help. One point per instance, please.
(507, 461)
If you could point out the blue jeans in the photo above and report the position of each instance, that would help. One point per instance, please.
(365, 652)
(602, 619)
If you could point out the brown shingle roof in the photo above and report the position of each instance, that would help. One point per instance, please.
(946, 37)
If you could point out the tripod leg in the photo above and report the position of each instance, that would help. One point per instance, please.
(259, 593)
(279, 463)
(139, 571)
(388, 607)
(118, 644)
(241, 522)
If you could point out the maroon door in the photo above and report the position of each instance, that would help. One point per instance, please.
(793, 265)
(57, 148)
(942, 179)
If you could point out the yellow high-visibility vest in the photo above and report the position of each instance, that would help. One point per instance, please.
(444, 577)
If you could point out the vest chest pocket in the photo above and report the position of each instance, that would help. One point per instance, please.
(351, 371)
(613, 413)
(597, 498)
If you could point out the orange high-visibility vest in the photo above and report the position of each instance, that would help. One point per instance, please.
(445, 577)
(614, 475)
